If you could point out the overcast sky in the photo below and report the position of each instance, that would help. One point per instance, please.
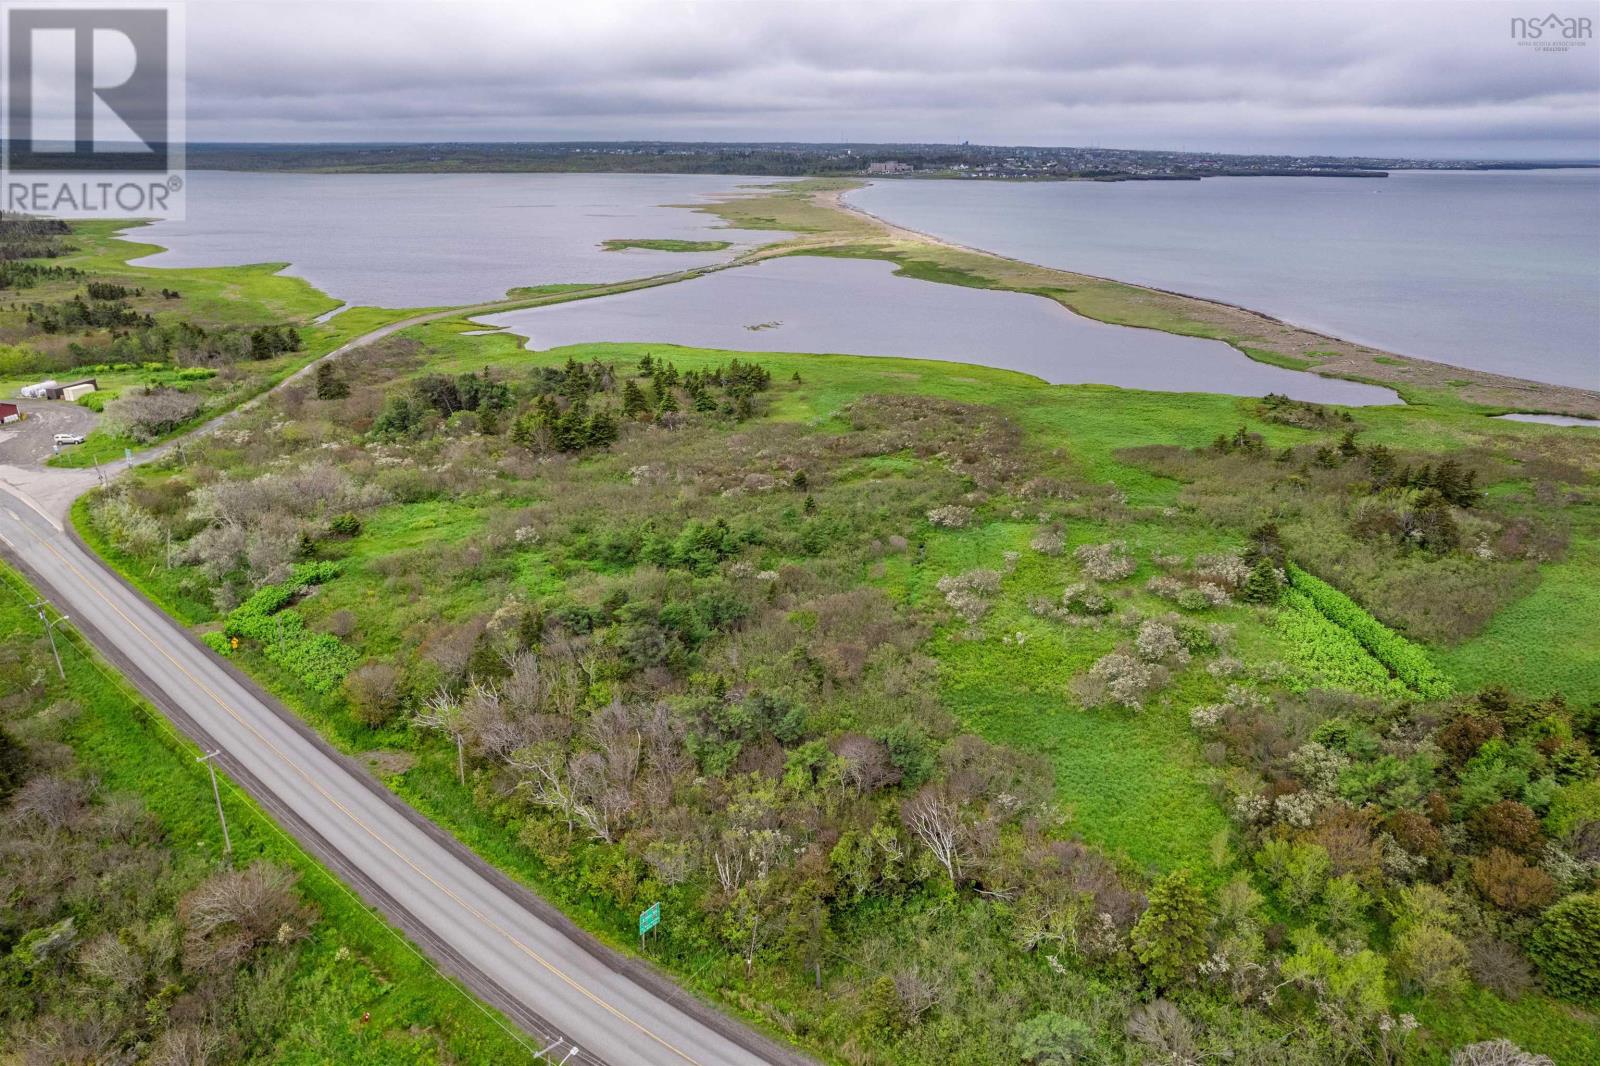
(1437, 79)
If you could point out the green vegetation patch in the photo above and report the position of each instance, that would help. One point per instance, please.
(664, 244)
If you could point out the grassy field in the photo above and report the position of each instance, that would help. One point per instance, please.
(663, 244)
(359, 992)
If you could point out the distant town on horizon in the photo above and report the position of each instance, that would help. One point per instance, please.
(793, 158)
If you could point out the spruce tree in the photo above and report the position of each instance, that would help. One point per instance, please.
(1170, 936)
(330, 386)
(1262, 586)
(634, 404)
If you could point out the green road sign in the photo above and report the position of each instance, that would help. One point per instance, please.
(649, 919)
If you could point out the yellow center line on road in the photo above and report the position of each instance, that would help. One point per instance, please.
(241, 720)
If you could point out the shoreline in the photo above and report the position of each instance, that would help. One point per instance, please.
(1347, 359)
(837, 199)
(1258, 335)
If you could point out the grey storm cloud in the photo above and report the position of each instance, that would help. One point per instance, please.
(1435, 78)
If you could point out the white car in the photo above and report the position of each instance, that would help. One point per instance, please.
(69, 438)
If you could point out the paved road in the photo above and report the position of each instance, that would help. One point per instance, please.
(512, 948)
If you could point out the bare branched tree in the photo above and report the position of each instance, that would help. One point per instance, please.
(443, 712)
(935, 819)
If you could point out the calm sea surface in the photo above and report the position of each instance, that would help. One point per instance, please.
(1493, 270)
(419, 240)
(858, 307)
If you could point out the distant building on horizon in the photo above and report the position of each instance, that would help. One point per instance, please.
(891, 166)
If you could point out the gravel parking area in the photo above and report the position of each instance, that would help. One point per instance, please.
(28, 442)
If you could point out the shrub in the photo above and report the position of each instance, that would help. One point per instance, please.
(1462, 738)
(1497, 1052)
(236, 911)
(1498, 966)
(1350, 988)
(1566, 947)
(1161, 1027)
(951, 516)
(151, 413)
(1049, 541)
(969, 594)
(1224, 569)
(1158, 642)
(1119, 678)
(1105, 562)
(1431, 959)
(373, 689)
(1511, 884)
(1083, 599)
(1051, 1039)
(1508, 824)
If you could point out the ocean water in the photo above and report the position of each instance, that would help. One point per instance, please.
(421, 240)
(1495, 270)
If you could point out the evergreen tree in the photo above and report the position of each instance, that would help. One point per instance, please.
(1265, 542)
(1457, 485)
(13, 764)
(530, 629)
(330, 386)
(1170, 936)
(525, 431)
(1431, 525)
(1380, 463)
(602, 430)
(1263, 585)
(634, 404)
(486, 664)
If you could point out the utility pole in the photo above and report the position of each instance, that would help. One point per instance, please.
(216, 794)
(50, 631)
